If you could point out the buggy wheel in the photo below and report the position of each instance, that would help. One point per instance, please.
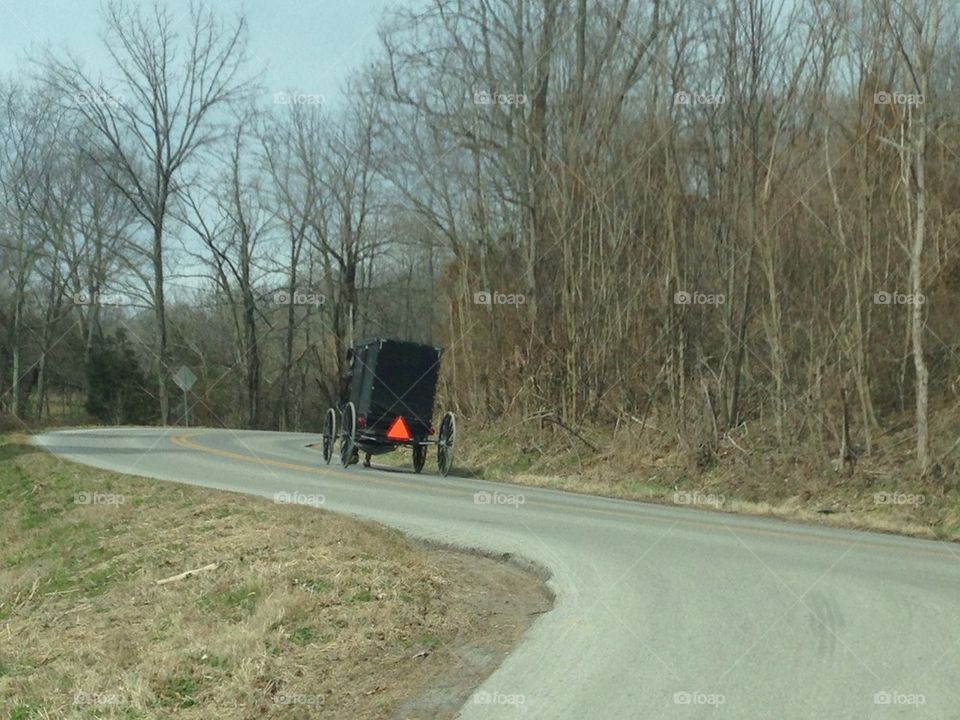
(329, 434)
(348, 433)
(445, 442)
(419, 457)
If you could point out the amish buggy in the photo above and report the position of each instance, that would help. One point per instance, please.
(386, 402)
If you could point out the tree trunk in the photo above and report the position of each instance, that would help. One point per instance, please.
(15, 398)
(916, 290)
(160, 314)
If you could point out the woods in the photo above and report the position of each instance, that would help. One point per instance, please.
(717, 215)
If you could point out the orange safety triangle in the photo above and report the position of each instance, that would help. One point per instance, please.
(398, 431)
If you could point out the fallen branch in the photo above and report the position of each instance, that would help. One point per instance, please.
(953, 447)
(188, 573)
(729, 438)
(553, 417)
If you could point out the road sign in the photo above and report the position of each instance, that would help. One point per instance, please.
(184, 378)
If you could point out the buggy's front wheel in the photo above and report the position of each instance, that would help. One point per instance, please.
(445, 442)
(329, 434)
(348, 434)
(419, 456)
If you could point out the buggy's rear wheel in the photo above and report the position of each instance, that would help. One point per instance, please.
(419, 456)
(348, 434)
(445, 443)
(329, 434)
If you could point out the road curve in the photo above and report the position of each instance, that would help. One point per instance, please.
(661, 612)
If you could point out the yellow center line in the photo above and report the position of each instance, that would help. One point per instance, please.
(185, 442)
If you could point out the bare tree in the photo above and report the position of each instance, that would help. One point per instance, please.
(160, 112)
(293, 153)
(24, 159)
(235, 200)
(915, 27)
(345, 236)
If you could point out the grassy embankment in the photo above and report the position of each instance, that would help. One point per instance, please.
(750, 473)
(306, 613)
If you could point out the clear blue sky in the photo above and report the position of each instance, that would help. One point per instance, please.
(307, 45)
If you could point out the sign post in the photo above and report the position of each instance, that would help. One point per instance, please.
(184, 378)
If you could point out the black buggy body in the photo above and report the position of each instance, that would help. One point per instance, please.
(389, 402)
(393, 379)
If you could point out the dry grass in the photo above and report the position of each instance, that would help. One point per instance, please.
(308, 614)
(750, 473)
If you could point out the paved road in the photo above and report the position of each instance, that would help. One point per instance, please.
(661, 612)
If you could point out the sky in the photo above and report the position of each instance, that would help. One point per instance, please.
(307, 46)
(303, 46)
